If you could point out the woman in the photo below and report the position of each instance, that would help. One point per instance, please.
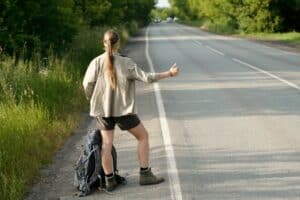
(109, 83)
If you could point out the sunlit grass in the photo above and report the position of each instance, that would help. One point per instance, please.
(28, 139)
(37, 112)
(290, 37)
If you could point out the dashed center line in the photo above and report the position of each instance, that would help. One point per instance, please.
(215, 50)
(267, 73)
(197, 42)
(210, 48)
(293, 85)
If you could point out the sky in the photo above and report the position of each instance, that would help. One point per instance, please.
(163, 3)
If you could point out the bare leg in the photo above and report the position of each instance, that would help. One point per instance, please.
(141, 134)
(107, 142)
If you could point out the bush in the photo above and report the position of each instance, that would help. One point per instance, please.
(256, 16)
(242, 15)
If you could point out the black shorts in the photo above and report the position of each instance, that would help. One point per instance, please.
(124, 122)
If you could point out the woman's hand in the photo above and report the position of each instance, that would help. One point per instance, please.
(174, 70)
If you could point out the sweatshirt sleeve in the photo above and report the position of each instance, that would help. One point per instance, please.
(136, 73)
(90, 79)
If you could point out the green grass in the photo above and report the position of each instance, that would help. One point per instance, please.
(40, 109)
(28, 139)
(37, 113)
(290, 37)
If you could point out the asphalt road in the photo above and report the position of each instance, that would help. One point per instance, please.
(230, 121)
(233, 114)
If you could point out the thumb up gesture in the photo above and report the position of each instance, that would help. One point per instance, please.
(174, 70)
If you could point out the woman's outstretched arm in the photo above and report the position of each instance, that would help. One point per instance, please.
(137, 73)
(173, 71)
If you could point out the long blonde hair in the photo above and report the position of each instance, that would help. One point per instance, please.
(111, 40)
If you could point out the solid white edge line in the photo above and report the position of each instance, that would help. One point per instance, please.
(215, 50)
(174, 183)
(268, 73)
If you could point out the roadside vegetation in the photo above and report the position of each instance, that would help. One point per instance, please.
(261, 19)
(45, 47)
(292, 38)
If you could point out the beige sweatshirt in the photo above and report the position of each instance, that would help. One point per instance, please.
(104, 101)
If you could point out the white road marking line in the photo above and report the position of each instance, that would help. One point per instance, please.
(267, 73)
(174, 183)
(200, 43)
(215, 50)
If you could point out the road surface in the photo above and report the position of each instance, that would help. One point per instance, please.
(227, 128)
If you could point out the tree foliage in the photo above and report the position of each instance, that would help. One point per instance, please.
(28, 24)
(289, 13)
(162, 13)
(243, 15)
(110, 12)
(38, 24)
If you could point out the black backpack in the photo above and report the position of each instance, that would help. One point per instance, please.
(89, 174)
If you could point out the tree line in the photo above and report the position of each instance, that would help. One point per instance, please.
(36, 25)
(242, 15)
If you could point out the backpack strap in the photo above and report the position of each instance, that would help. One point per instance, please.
(98, 164)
